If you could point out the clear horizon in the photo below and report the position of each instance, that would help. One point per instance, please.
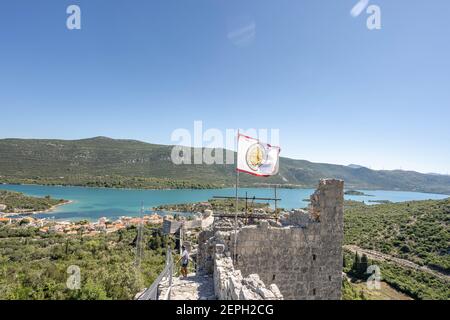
(338, 92)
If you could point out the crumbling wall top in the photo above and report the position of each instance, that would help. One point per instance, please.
(329, 195)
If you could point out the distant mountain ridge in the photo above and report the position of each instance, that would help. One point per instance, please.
(102, 156)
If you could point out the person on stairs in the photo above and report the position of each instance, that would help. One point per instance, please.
(184, 261)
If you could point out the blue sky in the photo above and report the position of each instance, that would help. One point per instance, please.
(338, 92)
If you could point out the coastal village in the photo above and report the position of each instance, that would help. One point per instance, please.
(169, 217)
(105, 225)
(86, 228)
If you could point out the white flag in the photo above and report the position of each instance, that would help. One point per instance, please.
(257, 158)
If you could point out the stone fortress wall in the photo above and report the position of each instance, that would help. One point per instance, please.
(203, 221)
(297, 257)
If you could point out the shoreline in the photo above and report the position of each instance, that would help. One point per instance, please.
(30, 213)
(279, 186)
(102, 188)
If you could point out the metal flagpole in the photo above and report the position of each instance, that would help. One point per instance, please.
(237, 200)
(276, 215)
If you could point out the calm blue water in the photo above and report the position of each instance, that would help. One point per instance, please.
(93, 203)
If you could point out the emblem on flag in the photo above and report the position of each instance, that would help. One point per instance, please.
(257, 158)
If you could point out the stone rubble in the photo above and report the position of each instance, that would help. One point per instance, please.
(229, 284)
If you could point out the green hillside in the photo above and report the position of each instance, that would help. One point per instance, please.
(34, 265)
(128, 163)
(417, 231)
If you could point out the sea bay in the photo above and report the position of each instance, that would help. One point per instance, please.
(93, 203)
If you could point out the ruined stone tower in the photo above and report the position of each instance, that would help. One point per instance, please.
(301, 254)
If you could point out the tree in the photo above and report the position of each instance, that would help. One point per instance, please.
(364, 264)
(360, 265)
(155, 242)
(356, 263)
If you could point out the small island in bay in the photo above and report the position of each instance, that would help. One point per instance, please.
(17, 203)
(356, 193)
(216, 205)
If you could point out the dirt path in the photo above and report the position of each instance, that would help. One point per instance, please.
(194, 287)
(375, 255)
(386, 292)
